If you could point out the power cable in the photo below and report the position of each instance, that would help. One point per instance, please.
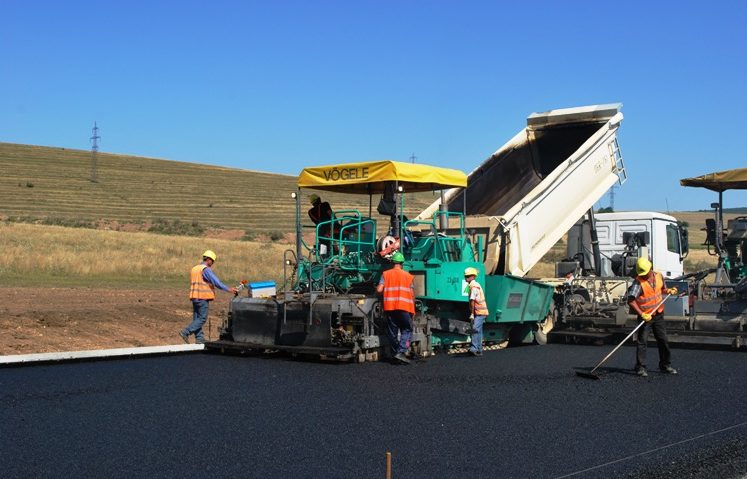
(652, 450)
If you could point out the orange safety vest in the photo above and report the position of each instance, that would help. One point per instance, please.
(481, 307)
(650, 296)
(398, 292)
(199, 288)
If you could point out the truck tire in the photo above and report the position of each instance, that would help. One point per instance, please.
(544, 327)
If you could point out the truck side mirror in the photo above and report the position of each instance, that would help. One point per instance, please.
(684, 241)
(644, 237)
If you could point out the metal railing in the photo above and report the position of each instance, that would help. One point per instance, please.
(446, 248)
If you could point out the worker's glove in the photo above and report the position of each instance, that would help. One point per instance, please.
(235, 291)
(646, 316)
(471, 318)
(672, 291)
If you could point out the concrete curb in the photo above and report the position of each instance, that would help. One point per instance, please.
(21, 359)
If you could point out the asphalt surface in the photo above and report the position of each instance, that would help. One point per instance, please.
(520, 412)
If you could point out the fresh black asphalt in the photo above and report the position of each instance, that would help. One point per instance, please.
(520, 412)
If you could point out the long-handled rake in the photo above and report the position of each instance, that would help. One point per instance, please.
(590, 374)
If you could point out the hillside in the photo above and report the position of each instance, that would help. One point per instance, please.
(54, 183)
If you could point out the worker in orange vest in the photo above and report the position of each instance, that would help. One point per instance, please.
(645, 297)
(201, 291)
(478, 310)
(399, 304)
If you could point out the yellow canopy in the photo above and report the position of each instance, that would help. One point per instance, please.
(720, 180)
(370, 177)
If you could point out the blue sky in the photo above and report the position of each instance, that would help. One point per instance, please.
(277, 85)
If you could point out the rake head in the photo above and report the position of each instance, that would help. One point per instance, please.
(587, 375)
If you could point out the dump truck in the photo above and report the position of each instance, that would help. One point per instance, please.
(591, 283)
(525, 196)
(713, 309)
(622, 237)
(501, 219)
(528, 194)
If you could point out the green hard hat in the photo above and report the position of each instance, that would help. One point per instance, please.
(398, 257)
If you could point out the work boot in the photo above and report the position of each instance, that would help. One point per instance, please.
(641, 372)
(474, 352)
(402, 358)
(185, 337)
(668, 370)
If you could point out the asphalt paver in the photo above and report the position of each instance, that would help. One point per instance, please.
(520, 412)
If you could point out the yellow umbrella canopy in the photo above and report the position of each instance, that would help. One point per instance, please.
(371, 177)
(719, 181)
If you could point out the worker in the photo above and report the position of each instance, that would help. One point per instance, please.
(201, 292)
(646, 299)
(478, 310)
(321, 212)
(396, 285)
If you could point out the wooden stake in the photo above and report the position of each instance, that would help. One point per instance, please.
(388, 465)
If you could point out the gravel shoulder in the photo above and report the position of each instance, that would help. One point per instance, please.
(41, 320)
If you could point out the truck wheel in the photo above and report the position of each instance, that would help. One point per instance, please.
(544, 327)
(540, 337)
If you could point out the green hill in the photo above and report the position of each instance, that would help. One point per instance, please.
(53, 184)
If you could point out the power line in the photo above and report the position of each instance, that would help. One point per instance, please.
(650, 451)
(94, 153)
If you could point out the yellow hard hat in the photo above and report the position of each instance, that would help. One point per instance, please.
(470, 271)
(642, 266)
(209, 254)
(313, 198)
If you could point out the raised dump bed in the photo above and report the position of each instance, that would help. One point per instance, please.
(527, 194)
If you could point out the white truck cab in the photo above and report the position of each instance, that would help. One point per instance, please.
(654, 234)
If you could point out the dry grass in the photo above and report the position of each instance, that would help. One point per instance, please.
(54, 184)
(696, 225)
(49, 256)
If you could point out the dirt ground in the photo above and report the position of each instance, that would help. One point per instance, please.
(39, 320)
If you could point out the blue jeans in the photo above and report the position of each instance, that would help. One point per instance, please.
(477, 334)
(399, 322)
(199, 316)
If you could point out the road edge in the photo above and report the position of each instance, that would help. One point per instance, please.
(96, 354)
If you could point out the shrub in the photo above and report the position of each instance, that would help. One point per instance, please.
(176, 227)
(29, 184)
(248, 236)
(68, 222)
(23, 219)
(276, 235)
